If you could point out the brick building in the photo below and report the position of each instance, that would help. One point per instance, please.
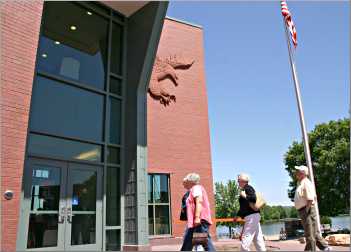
(91, 160)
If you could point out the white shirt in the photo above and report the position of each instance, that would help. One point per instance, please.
(304, 192)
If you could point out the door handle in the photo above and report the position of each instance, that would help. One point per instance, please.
(62, 215)
(69, 215)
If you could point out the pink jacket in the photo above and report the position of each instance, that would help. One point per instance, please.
(190, 207)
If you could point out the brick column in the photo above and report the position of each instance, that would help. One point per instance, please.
(20, 26)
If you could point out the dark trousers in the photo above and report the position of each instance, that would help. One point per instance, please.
(188, 237)
(309, 223)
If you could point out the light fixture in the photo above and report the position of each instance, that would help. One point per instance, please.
(57, 42)
(89, 13)
(73, 28)
(44, 55)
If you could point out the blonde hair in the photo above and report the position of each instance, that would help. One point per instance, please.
(192, 177)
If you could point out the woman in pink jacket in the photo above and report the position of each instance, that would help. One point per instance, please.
(198, 212)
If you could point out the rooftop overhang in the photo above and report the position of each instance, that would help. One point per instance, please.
(126, 8)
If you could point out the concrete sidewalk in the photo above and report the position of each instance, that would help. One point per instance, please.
(234, 245)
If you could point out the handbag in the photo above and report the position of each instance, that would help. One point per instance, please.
(200, 239)
(260, 202)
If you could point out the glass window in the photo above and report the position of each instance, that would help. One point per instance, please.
(160, 189)
(162, 220)
(84, 190)
(113, 240)
(73, 43)
(151, 220)
(113, 197)
(62, 148)
(83, 229)
(115, 121)
(42, 230)
(159, 206)
(116, 86)
(116, 49)
(64, 110)
(45, 193)
(150, 189)
(113, 155)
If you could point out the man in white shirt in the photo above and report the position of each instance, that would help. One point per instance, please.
(305, 197)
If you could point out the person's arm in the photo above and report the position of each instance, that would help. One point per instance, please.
(309, 205)
(198, 208)
(309, 194)
(250, 194)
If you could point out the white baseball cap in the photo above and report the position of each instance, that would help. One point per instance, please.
(302, 168)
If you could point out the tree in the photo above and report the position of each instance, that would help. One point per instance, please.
(227, 201)
(330, 152)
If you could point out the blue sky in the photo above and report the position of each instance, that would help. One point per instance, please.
(252, 105)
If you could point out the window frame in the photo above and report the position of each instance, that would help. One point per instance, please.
(153, 204)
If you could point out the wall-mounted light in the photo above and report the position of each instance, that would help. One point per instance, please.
(57, 42)
(89, 13)
(73, 28)
(44, 55)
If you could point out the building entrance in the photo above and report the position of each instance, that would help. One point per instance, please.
(63, 205)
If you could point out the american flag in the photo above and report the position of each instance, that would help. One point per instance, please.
(289, 23)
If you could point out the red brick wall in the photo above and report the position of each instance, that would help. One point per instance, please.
(20, 23)
(178, 134)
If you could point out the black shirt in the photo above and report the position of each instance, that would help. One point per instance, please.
(183, 215)
(245, 208)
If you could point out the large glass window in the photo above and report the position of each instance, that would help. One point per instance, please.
(73, 44)
(116, 49)
(41, 145)
(159, 204)
(76, 112)
(113, 197)
(65, 110)
(115, 121)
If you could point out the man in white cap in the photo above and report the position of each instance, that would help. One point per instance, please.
(305, 197)
(251, 231)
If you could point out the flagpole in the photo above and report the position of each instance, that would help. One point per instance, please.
(302, 120)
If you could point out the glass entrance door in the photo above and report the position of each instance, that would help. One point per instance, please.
(63, 206)
(84, 208)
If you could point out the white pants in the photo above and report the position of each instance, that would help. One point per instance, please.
(252, 233)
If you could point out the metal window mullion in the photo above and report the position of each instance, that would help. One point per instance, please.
(48, 157)
(117, 76)
(153, 201)
(123, 120)
(113, 228)
(72, 83)
(169, 206)
(107, 131)
(77, 139)
(118, 97)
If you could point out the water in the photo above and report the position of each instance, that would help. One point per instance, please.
(269, 229)
(341, 222)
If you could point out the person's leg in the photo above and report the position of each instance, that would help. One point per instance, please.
(320, 242)
(187, 240)
(258, 238)
(248, 233)
(308, 228)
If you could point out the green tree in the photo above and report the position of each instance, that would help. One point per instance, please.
(227, 201)
(293, 213)
(330, 151)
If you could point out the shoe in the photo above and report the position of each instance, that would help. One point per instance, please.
(328, 249)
